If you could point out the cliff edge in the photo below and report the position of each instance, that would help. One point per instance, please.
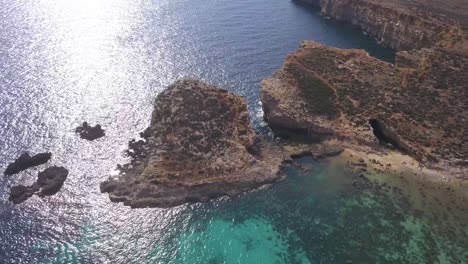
(402, 24)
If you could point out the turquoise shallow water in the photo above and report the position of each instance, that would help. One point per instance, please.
(323, 213)
(104, 61)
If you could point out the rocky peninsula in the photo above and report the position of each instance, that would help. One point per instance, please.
(200, 145)
(417, 105)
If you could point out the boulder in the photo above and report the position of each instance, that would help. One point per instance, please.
(49, 182)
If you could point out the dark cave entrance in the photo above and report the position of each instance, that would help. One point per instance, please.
(386, 136)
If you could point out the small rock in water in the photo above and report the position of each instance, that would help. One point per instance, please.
(25, 161)
(90, 132)
(21, 193)
(51, 180)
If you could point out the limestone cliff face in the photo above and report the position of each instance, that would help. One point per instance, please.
(420, 109)
(396, 26)
(200, 145)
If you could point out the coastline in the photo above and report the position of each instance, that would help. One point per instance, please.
(424, 34)
(327, 102)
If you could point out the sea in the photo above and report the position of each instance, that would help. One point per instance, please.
(63, 62)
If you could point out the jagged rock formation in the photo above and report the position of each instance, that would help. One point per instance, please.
(200, 145)
(323, 92)
(25, 161)
(419, 106)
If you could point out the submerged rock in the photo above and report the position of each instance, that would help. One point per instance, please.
(25, 161)
(90, 132)
(200, 146)
(49, 182)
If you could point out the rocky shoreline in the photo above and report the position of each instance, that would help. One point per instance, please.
(401, 24)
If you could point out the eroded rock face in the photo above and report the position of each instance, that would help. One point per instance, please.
(25, 161)
(200, 145)
(421, 110)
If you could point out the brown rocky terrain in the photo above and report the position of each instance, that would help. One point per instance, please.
(200, 145)
(418, 105)
(403, 24)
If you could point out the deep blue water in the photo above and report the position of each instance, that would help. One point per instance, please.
(64, 62)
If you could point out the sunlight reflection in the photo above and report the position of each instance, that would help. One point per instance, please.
(88, 32)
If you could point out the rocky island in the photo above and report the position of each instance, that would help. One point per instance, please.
(200, 145)
(327, 93)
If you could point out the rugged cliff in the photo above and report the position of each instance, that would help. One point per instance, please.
(399, 24)
(327, 93)
(200, 145)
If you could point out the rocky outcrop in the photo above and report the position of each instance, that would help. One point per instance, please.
(90, 132)
(25, 161)
(48, 183)
(399, 24)
(51, 180)
(416, 106)
(200, 146)
(21, 193)
(347, 95)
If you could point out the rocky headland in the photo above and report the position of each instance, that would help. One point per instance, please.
(416, 106)
(200, 145)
